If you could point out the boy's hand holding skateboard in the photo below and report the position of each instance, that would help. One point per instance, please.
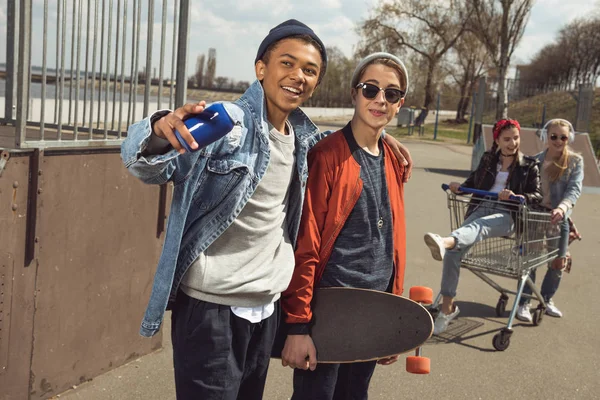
(388, 360)
(299, 352)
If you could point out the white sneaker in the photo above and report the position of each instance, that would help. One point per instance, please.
(524, 313)
(436, 245)
(442, 320)
(552, 311)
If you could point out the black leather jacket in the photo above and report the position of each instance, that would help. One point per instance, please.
(525, 180)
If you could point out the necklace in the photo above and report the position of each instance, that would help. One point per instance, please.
(379, 203)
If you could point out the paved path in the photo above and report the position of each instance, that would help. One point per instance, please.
(557, 360)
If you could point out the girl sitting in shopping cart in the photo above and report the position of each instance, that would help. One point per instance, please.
(503, 170)
(562, 179)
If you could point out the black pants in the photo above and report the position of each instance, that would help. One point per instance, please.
(334, 382)
(218, 355)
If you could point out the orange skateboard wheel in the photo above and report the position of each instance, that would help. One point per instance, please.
(418, 365)
(421, 294)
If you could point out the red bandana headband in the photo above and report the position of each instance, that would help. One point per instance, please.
(503, 124)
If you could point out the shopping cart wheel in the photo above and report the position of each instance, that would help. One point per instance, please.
(501, 340)
(538, 315)
(418, 365)
(421, 294)
(501, 305)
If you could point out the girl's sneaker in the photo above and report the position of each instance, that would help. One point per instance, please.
(436, 245)
(552, 311)
(442, 320)
(524, 313)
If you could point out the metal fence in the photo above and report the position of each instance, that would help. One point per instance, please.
(78, 72)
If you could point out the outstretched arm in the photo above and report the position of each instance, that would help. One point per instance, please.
(151, 151)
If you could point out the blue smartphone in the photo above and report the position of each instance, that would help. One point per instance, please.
(210, 125)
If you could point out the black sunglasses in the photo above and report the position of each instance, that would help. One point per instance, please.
(563, 138)
(371, 91)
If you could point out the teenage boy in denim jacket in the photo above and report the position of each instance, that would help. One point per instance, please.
(229, 246)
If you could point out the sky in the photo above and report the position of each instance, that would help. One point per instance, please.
(235, 28)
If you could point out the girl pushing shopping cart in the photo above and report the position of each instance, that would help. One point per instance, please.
(496, 230)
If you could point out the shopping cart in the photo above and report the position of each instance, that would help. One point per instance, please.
(534, 243)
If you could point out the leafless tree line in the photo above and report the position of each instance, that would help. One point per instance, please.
(205, 75)
(573, 59)
(457, 40)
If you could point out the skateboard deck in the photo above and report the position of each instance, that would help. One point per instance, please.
(351, 325)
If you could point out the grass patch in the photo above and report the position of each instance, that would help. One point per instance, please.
(446, 132)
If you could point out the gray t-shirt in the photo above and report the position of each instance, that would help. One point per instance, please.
(252, 262)
(362, 255)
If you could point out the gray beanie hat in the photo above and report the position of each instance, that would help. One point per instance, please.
(375, 56)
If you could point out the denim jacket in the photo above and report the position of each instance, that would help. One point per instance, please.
(211, 187)
(567, 189)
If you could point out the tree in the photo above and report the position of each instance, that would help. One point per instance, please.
(581, 41)
(467, 65)
(211, 68)
(199, 70)
(334, 89)
(499, 25)
(221, 82)
(242, 86)
(571, 60)
(428, 28)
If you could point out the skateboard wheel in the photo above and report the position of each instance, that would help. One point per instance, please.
(421, 294)
(418, 365)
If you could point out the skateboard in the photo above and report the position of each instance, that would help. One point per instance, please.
(354, 325)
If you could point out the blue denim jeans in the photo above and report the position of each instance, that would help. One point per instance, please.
(553, 276)
(485, 222)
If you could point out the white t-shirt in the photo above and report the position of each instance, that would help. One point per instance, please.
(255, 254)
(501, 178)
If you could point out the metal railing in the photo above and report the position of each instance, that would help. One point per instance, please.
(87, 81)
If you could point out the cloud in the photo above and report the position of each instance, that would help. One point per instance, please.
(236, 28)
(339, 32)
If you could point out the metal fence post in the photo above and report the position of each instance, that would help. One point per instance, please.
(543, 115)
(148, 86)
(182, 45)
(480, 101)
(473, 100)
(437, 117)
(585, 100)
(11, 30)
(23, 71)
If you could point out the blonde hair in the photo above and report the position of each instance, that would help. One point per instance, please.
(557, 168)
(388, 63)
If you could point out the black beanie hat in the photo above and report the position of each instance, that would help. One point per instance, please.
(288, 28)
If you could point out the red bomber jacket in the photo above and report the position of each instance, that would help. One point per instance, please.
(332, 190)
